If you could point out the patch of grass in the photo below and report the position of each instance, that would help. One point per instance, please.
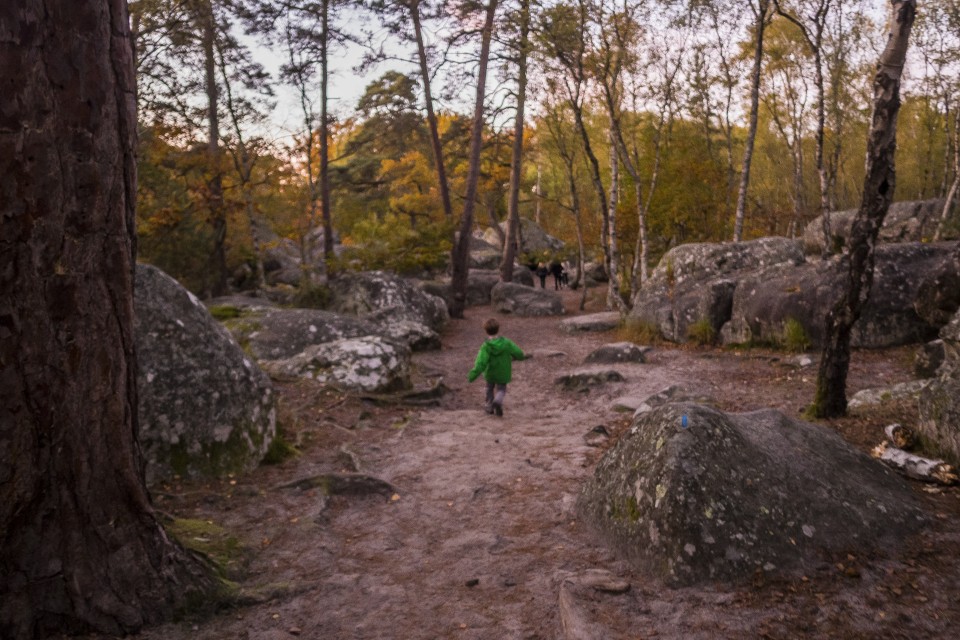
(794, 337)
(225, 312)
(702, 332)
(639, 332)
(279, 451)
(210, 540)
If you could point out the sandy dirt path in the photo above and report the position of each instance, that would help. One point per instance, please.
(479, 538)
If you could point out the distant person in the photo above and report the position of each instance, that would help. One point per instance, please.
(495, 362)
(556, 269)
(542, 273)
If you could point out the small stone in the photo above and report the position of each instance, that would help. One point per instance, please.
(294, 631)
(472, 582)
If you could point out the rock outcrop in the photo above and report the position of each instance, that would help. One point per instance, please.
(691, 494)
(764, 301)
(520, 300)
(533, 239)
(368, 363)
(904, 222)
(205, 408)
(696, 282)
(617, 353)
(939, 425)
(377, 291)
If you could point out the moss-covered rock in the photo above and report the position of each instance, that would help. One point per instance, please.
(693, 494)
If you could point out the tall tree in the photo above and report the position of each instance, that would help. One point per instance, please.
(812, 17)
(761, 17)
(521, 54)
(460, 254)
(81, 547)
(878, 189)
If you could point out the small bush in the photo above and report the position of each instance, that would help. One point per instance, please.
(312, 297)
(279, 451)
(702, 332)
(639, 332)
(225, 312)
(794, 338)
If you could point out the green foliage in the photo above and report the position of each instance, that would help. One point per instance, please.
(225, 312)
(395, 245)
(279, 451)
(210, 540)
(702, 332)
(312, 297)
(794, 337)
(639, 332)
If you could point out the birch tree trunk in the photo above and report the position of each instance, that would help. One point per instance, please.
(878, 189)
(81, 548)
(760, 11)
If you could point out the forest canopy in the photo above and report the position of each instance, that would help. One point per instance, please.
(645, 125)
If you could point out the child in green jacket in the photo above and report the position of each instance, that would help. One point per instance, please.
(495, 362)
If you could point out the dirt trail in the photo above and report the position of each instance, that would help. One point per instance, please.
(480, 534)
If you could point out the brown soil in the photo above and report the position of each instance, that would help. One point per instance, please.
(480, 532)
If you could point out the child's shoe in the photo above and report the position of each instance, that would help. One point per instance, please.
(498, 409)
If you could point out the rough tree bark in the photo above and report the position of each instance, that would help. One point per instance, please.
(878, 188)
(80, 546)
(461, 250)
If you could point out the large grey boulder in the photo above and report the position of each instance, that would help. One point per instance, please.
(695, 283)
(366, 364)
(939, 424)
(484, 254)
(517, 299)
(205, 408)
(480, 282)
(281, 333)
(904, 222)
(604, 321)
(721, 496)
(765, 301)
(533, 239)
(375, 291)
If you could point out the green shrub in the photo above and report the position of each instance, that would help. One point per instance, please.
(225, 312)
(639, 332)
(279, 451)
(312, 297)
(702, 332)
(794, 337)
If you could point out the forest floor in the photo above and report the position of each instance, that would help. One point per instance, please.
(477, 534)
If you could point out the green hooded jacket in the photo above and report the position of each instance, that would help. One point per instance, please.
(495, 360)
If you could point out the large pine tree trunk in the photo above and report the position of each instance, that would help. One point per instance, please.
(80, 547)
(878, 189)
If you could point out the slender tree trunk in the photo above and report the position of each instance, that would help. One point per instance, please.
(878, 189)
(955, 185)
(81, 548)
(510, 247)
(218, 214)
(442, 185)
(325, 215)
(614, 299)
(760, 13)
(461, 250)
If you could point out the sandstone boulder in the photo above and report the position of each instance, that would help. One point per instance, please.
(281, 333)
(605, 321)
(939, 425)
(517, 299)
(691, 494)
(368, 363)
(764, 302)
(372, 291)
(695, 283)
(205, 408)
(904, 222)
(618, 352)
(533, 239)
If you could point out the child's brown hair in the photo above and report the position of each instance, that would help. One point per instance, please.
(491, 326)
